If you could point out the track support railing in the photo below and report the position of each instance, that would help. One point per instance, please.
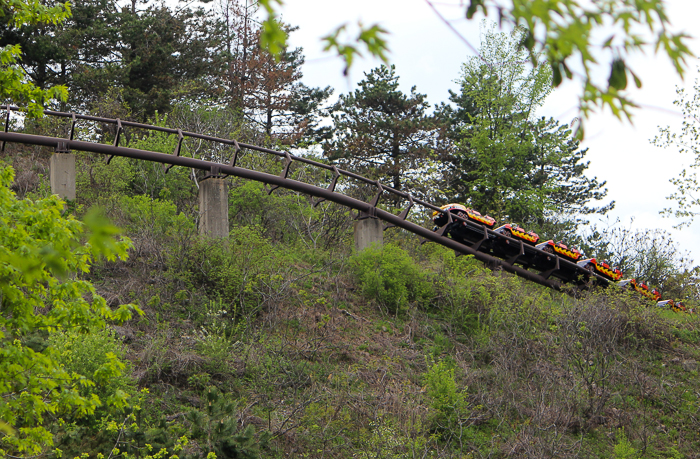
(217, 170)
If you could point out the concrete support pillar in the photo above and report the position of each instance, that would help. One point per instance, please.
(62, 174)
(368, 231)
(213, 207)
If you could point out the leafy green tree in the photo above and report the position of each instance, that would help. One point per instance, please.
(508, 162)
(382, 133)
(499, 83)
(564, 29)
(13, 82)
(686, 197)
(494, 160)
(42, 255)
(650, 255)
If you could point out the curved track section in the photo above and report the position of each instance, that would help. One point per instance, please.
(494, 249)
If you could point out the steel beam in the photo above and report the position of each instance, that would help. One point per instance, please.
(278, 181)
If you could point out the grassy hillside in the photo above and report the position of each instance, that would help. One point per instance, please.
(280, 342)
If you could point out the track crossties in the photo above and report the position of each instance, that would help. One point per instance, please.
(492, 248)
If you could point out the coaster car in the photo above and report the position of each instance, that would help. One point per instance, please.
(601, 267)
(641, 287)
(516, 231)
(665, 303)
(676, 306)
(560, 248)
(652, 294)
(440, 218)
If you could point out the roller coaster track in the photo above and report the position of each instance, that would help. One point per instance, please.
(492, 248)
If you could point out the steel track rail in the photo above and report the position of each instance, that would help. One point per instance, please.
(217, 168)
(368, 208)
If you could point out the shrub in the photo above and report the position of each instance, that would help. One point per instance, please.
(458, 283)
(215, 337)
(389, 276)
(453, 419)
(288, 217)
(624, 449)
(98, 182)
(98, 356)
(442, 389)
(245, 273)
(154, 224)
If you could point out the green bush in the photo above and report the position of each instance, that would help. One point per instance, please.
(243, 273)
(156, 227)
(98, 356)
(624, 449)
(459, 287)
(442, 389)
(452, 416)
(288, 217)
(389, 276)
(98, 182)
(160, 216)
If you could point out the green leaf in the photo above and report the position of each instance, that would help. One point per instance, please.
(637, 81)
(373, 38)
(38, 242)
(618, 75)
(556, 75)
(273, 37)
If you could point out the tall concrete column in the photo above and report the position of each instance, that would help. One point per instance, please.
(368, 231)
(213, 207)
(62, 174)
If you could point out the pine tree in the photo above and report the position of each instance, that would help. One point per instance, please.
(217, 429)
(382, 133)
(165, 53)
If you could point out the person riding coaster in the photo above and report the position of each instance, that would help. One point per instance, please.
(465, 233)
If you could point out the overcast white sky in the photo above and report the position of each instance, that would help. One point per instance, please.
(428, 55)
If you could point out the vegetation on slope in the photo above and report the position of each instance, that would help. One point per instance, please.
(280, 342)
